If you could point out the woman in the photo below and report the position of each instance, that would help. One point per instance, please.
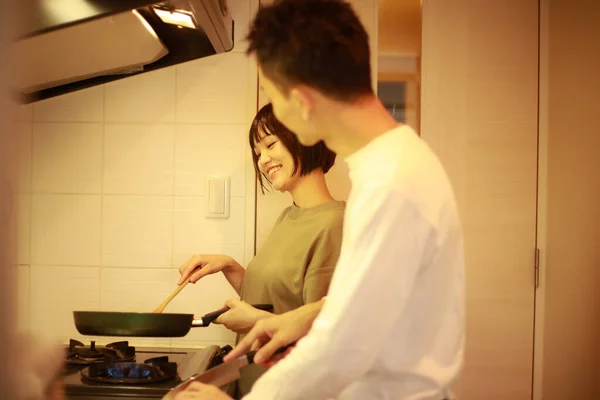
(296, 262)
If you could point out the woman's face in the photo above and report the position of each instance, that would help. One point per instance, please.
(276, 163)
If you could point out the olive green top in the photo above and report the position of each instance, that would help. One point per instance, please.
(294, 266)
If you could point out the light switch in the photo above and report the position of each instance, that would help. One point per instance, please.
(217, 197)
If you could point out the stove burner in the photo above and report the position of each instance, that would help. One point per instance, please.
(78, 354)
(153, 370)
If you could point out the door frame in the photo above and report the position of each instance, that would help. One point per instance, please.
(542, 200)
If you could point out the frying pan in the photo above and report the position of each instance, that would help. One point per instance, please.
(115, 323)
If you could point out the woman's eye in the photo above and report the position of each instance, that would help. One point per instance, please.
(271, 145)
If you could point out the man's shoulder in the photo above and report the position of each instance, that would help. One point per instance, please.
(427, 191)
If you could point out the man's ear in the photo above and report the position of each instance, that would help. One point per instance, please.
(303, 100)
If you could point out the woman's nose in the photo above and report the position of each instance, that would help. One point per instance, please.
(264, 159)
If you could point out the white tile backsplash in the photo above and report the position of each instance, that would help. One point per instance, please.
(85, 105)
(137, 231)
(67, 158)
(204, 95)
(147, 97)
(56, 292)
(24, 228)
(24, 132)
(112, 193)
(139, 159)
(151, 288)
(23, 299)
(24, 113)
(203, 150)
(193, 234)
(65, 229)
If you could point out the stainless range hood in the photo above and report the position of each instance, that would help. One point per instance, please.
(68, 45)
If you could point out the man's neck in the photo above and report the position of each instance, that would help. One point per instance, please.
(354, 126)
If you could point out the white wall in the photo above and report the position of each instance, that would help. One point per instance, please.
(112, 195)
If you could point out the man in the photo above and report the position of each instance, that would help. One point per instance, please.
(392, 325)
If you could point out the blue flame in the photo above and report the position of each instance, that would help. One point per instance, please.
(128, 371)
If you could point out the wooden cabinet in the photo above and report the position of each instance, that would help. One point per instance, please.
(479, 77)
(568, 323)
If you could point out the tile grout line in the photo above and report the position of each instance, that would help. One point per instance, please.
(29, 299)
(102, 165)
(84, 122)
(174, 173)
(30, 223)
(100, 193)
(30, 184)
(174, 166)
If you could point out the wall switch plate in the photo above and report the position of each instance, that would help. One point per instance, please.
(217, 197)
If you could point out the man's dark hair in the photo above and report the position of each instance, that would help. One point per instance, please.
(318, 43)
(307, 158)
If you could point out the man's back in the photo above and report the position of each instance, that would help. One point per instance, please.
(402, 213)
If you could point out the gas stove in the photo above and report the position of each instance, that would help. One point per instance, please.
(119, 370)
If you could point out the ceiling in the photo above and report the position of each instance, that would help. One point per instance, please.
(399, 26)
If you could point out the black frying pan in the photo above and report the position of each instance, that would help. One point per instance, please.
(99, 323)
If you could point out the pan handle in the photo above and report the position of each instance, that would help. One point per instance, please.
(264, 307)
(210, 317)
(250, 355)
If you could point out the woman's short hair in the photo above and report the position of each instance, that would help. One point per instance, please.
(306, 158)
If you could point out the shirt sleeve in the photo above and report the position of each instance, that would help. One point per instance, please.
(325, 254)
(384, 241)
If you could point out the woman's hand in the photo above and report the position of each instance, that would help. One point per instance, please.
(241, 317)
(201, 391)
(200, 265)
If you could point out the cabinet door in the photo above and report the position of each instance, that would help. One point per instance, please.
(569, 198)
(479, 113)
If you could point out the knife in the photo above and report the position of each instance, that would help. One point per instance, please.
(207, 319)
(223, 374)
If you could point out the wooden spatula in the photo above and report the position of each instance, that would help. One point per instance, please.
(162, 305)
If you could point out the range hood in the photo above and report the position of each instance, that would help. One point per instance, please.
(68, 45)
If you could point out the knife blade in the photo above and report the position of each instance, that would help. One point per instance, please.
(218, 376)
(222, 374)
(226, 372)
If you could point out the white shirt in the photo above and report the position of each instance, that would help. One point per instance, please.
(392, 327)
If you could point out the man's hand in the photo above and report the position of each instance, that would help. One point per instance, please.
(241, 317)
(270, 334)
(201, 391)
